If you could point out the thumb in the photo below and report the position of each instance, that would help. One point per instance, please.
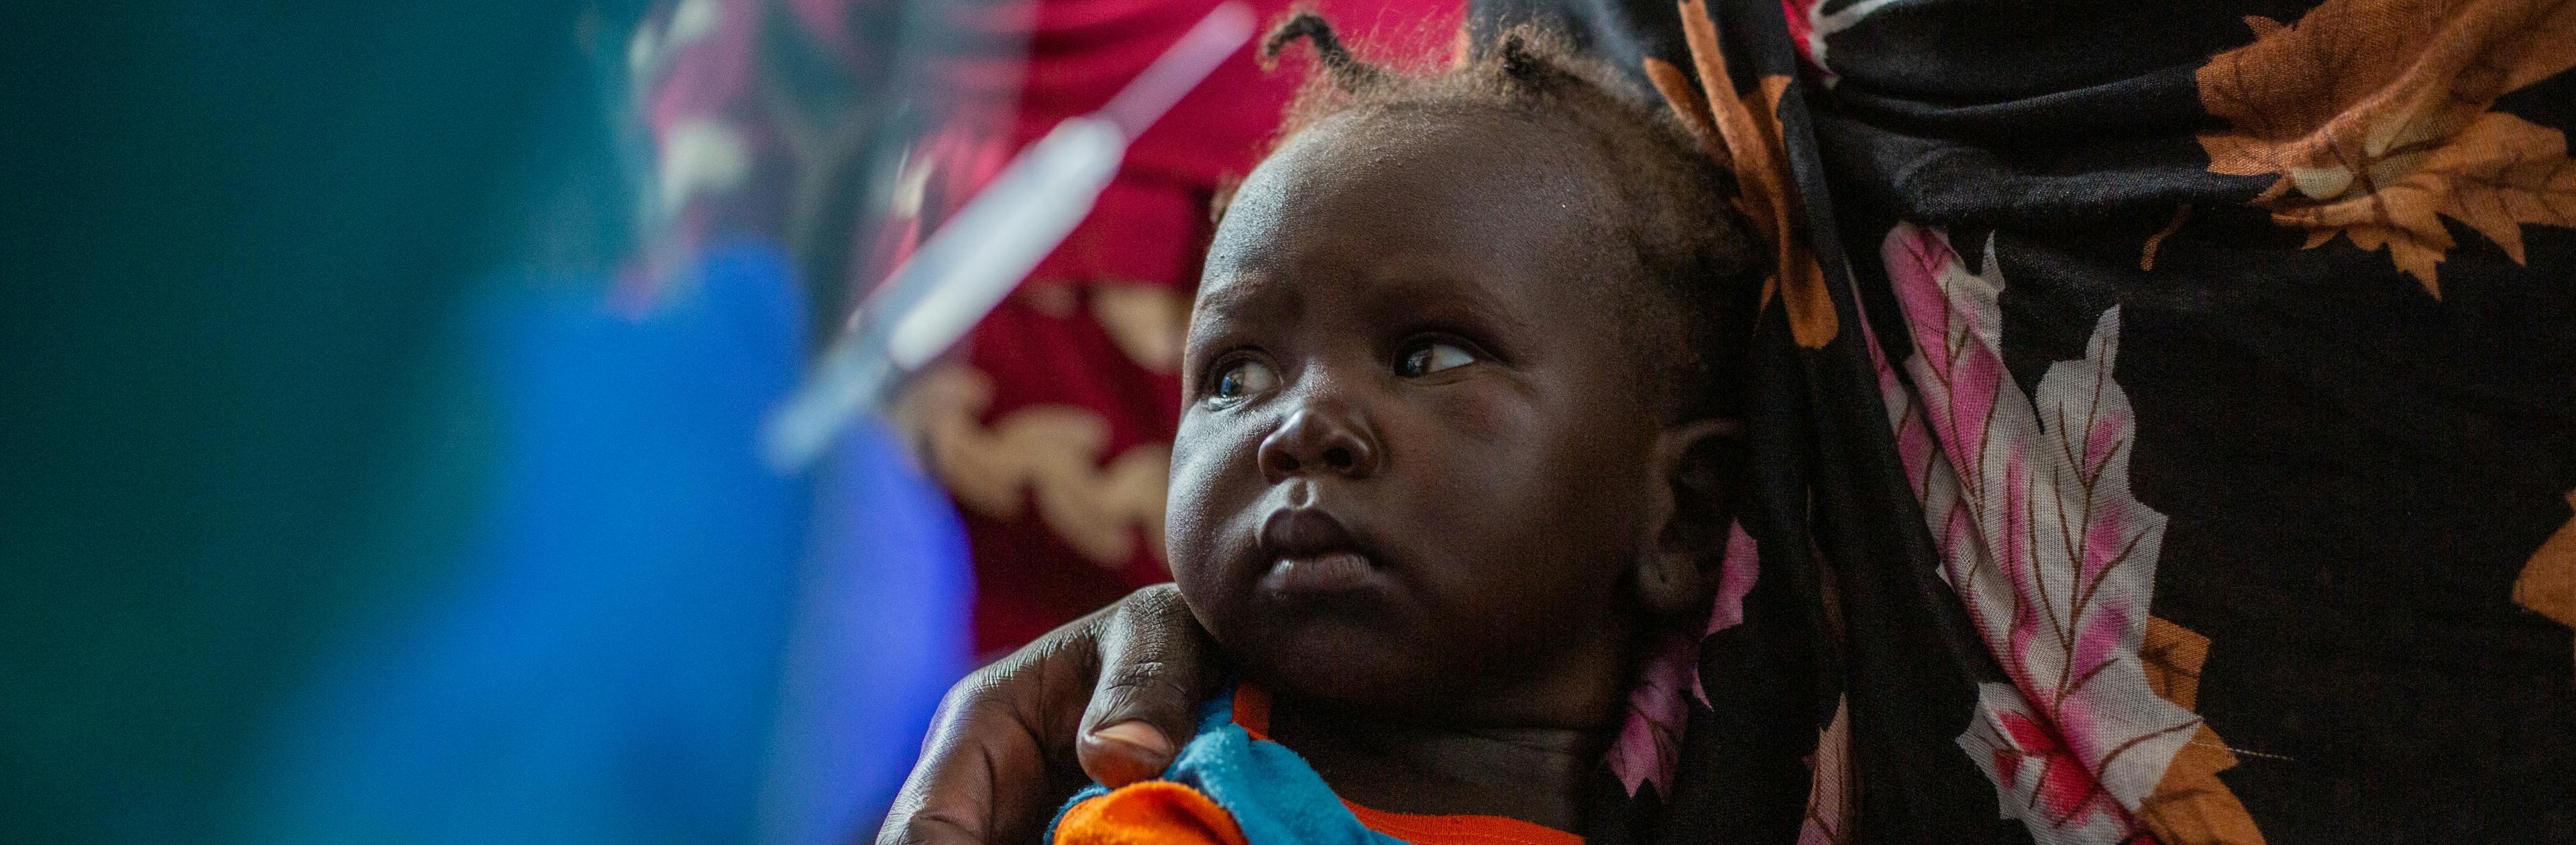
(1155, 668)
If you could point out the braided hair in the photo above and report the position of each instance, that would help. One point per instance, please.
(1700, 265)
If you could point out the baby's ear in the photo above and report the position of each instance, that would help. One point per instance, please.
(1689, 512)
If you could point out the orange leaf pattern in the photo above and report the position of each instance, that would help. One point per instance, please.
(1747, 138)
(2190, 805)
(2548, 583)
(2374, 114)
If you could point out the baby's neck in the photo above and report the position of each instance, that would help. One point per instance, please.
(1534, 774)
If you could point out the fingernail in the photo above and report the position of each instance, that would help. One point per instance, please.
(1136, 734)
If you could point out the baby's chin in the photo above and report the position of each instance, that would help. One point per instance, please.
(1336, 663)
(1369, 648)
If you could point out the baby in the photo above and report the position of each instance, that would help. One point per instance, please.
(1448, 454)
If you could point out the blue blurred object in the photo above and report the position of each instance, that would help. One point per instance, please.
(650, 637)
(882, 631)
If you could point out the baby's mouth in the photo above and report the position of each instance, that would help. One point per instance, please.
(1310, 552)
(1334, 572)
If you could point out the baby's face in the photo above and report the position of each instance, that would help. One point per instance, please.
(1413, 449)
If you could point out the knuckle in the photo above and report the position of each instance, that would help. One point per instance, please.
(1160, 602)
(927, 828)
(976, 706)
(1146, 677)
(1146, 690)
(974, 693)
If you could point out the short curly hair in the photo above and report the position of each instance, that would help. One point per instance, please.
(1699, 260)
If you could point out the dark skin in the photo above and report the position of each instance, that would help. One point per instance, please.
(1419, 489)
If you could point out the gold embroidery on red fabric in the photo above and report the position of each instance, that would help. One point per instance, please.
(1046, 454)
(1147, 321)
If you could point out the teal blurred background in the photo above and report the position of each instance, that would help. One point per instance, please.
(368, 480)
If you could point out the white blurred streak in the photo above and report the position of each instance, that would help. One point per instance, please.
(1180, 68)
(1037, 201)
(977, 257)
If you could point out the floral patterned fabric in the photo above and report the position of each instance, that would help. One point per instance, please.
(2164, 422)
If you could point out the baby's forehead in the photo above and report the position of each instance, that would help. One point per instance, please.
(1507, 158)
(1376, 183)
(1445, 205)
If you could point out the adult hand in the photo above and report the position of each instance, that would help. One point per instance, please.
(1111, 695)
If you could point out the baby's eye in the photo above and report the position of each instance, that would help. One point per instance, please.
(1243, 378)
(1425, 357)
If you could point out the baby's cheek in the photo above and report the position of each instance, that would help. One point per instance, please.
(1193, 512)
(1490, 413)
(1211, 453)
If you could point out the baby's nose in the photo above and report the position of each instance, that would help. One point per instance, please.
(1318, 438)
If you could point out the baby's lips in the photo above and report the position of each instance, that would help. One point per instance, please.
(1304, 533)
(1330, 573)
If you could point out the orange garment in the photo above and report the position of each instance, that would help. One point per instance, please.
(1154, 812)
(1165, 813)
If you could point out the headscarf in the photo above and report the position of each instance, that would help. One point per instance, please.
(2164, 421)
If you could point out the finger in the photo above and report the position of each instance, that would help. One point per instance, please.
(949, 796)
(985, 774)
(1154, 670)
